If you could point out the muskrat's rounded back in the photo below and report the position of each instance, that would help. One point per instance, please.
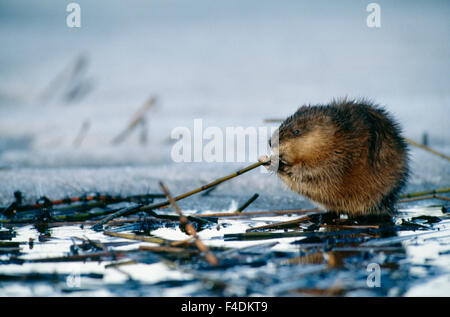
(348, 156)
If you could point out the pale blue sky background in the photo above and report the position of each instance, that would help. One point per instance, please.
(231, 63)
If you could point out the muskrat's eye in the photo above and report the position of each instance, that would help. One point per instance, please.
(296, 132)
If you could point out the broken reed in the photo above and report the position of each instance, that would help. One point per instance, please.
(131, 236)
(293, 234)
(190, 229)
(281, 224)
(138, 117)
(95, 256)
(83, 219)
(78, 218)
(247, 203)
(68, 75)
(82, 133)
(95, 200)
(156, 240)
(166, 203)
(258, 213)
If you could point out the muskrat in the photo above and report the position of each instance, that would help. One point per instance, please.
(348, 157)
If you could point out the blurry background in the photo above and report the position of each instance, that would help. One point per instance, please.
(66, 93)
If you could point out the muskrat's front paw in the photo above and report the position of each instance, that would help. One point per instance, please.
(265, 160)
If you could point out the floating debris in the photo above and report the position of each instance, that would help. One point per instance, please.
(318, 244)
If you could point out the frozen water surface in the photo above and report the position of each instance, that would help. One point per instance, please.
(231, 64)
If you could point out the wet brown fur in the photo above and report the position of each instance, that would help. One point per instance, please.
(347, 157)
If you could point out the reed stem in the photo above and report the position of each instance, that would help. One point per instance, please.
(247, 203)
(179, 197)
(280, 225)
(259, 213)
(426, 148)
(428, 192)
(190, 229)
(423, 198)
